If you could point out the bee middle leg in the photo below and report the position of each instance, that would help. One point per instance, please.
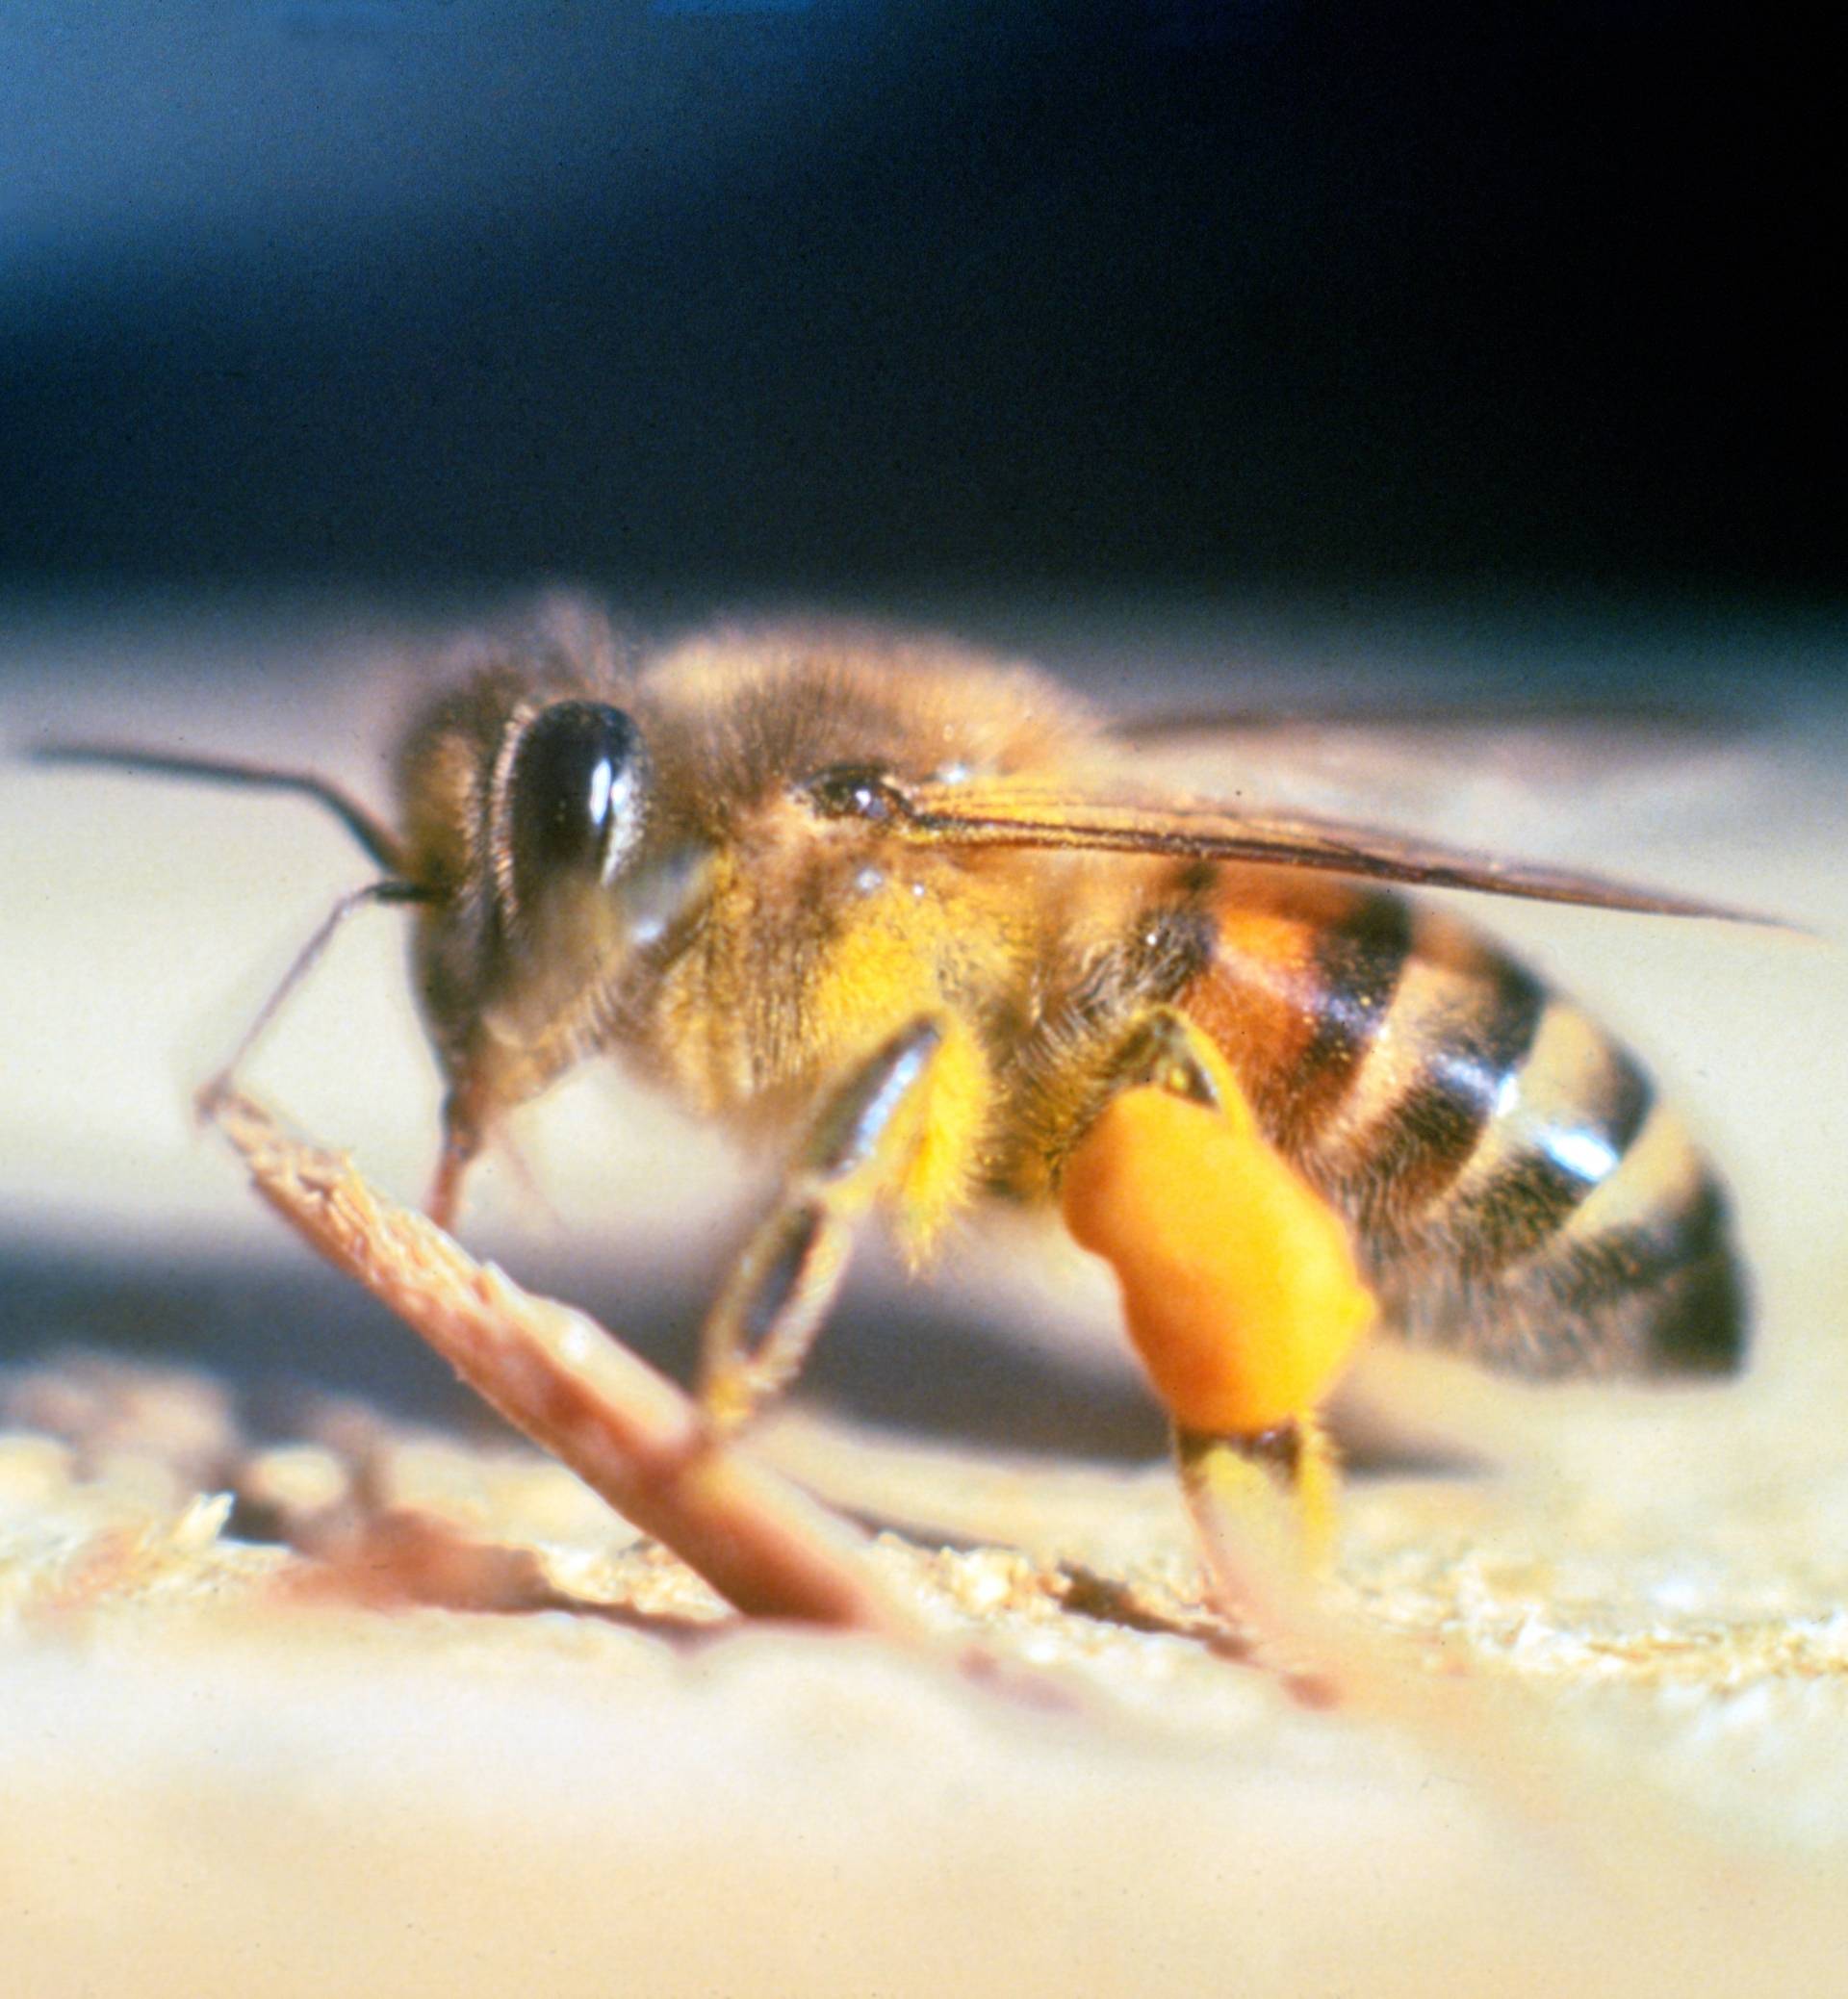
(1239, 1283)
(765, 1318)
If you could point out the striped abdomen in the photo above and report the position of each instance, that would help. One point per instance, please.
(1517, 1191)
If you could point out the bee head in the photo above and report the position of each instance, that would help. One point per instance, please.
(531, 818)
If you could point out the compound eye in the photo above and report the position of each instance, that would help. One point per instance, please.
(576, 796)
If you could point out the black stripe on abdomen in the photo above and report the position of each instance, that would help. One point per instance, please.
(1574, 1149)
(1354, 971)
(1669, 1291)
(1417, 1150)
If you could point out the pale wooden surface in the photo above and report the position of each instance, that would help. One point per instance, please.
(227, 1770)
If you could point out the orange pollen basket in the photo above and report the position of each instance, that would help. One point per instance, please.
(1240, 1287)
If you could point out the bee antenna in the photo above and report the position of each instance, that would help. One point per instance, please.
(391, 890)
(371, 832)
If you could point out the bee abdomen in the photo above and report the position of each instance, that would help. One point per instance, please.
(1516, 1191)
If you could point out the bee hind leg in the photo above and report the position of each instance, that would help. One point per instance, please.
(1279, 1486)
(765, 1318)
(1240, 1292)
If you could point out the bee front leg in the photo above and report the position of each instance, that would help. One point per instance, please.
(1240, 1291)
(764, 1320)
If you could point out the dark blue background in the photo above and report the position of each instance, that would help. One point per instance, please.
(857, 293)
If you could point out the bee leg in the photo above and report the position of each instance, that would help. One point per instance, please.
(764, 1320)
(1240, 1290)
(1279, 1485)
(462, 1137)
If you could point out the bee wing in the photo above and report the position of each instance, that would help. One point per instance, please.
(959, 816)
(1445, 767)
(1640, 725)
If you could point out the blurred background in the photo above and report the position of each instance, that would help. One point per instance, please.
(825, 294)
(1228, 349)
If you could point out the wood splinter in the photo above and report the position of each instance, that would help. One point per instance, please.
(556, 1375)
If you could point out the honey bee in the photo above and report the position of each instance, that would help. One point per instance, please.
(901, 910)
